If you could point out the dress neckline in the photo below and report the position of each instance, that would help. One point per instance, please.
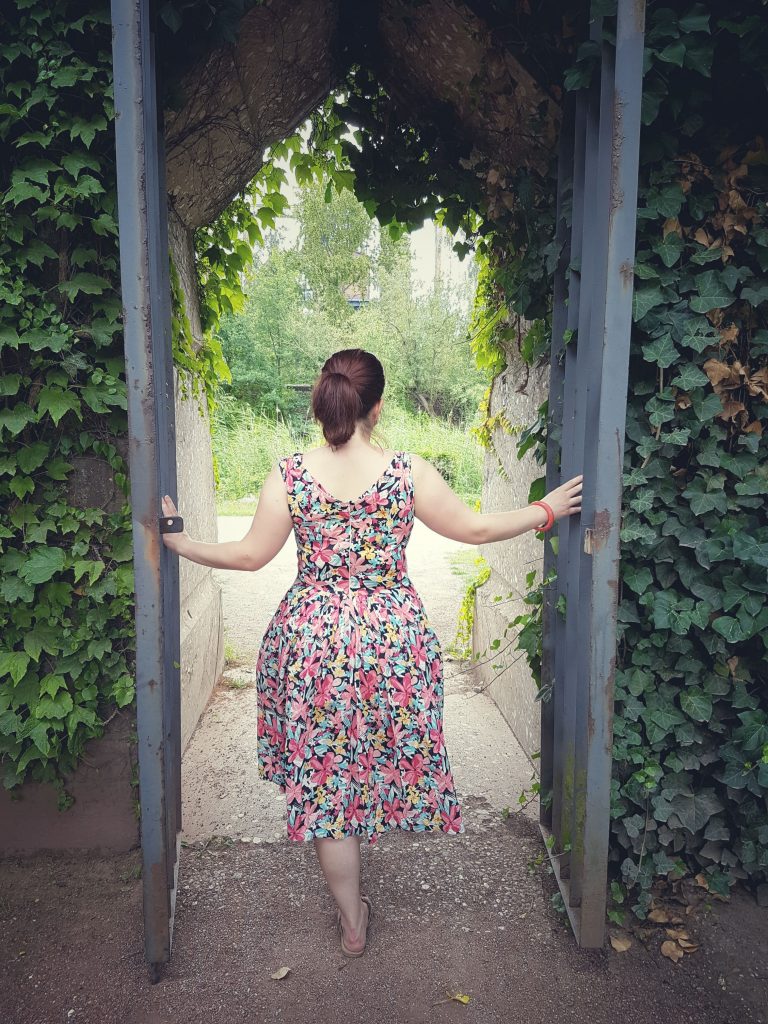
(346, 501)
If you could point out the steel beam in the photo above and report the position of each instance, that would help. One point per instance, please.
(146, 323)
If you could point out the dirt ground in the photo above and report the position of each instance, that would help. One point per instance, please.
(470, 915)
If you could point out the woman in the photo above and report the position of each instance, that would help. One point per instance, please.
(349, 675)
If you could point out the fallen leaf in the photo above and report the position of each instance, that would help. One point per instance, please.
(280, 973)
(621, 943)
(659, 916)
(701, 880)
(729, 334)
(671, 950)
(676, 933)
(689, 947)
(459, 997)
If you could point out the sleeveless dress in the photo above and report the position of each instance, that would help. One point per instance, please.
(349, 675)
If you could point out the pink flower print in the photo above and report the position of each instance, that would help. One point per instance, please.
(354, 812)
(296, 749)
(402, 690)
(293, 791)
(436, 670)
(419, 651)
(429, 697)
(369, 682)
(299, 709)
(438, 745)
(324, 768)
(323, 553)
(412, 770)
(444, 781)
(393, 811)
(451, 818)
(298, 828)
(390, 774)
(324, 690)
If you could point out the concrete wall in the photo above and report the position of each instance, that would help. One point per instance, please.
(510, 683)
(103, 816)
(202, 625)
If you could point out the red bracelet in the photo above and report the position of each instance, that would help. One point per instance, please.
(550, 516)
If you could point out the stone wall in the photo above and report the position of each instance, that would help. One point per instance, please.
(509, 682)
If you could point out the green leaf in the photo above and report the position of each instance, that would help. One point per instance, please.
(713, 292)
(54, 707)
(748, 549)
(729, 628)
(57, 402)
(689, 377)
(670, 249)
(32, 456)
(14, 420)
(42, 565)
(696, 704)
(694, 809)
(14, 664)
(89, 284)
(661, 351)
(646, 299)
(674, 53)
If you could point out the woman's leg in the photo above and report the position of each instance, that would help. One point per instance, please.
(340, 863)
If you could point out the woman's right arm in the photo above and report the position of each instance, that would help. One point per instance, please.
(443, 511)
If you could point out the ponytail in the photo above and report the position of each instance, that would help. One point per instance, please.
(351, 383)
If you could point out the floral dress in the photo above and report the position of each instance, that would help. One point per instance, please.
(349, 675)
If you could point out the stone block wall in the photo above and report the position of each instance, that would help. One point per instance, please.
(505, 486)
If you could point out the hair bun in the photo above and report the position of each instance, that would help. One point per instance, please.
(350, 384)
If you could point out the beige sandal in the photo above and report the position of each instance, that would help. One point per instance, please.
(352, 952)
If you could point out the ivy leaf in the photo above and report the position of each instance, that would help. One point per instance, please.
(646, 299)
(661, 351)
(89, 284)
(14, 420)
(14, 664)
(57, 402)
(14, 589)
(754, 292)
(694, 810)
(673, 53)
(55, 707)
(729, 628)
(42, 565)
(748, 549)
(696, 704)
(670, 249)
(32, 456)
(706, 407)
(690, 377)
(713, 292)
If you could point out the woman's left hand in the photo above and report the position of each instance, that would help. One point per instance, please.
(174, 541)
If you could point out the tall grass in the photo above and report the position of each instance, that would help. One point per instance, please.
(246, 445)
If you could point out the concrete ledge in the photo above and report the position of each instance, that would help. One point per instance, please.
(102, 817)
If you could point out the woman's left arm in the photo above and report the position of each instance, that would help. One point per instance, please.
(268, 532)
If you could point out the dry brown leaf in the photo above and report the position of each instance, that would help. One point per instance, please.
(671, 950)
(716, 371)
(676, 933)
(702, 237)
(701, 881)
(731, 410)
(659, 916)
(621, 943)
(280, 973)
(689, 947)
(683, 401)
(671, 227)
(755, 427)
(729, 334)
(758, 383)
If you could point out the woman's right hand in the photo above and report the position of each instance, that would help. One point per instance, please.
(565, 500)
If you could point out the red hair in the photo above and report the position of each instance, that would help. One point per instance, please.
(350, 384)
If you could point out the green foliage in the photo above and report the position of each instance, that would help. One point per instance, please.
(67, 586)
(461, 645)
(691, 775)
(246, 445)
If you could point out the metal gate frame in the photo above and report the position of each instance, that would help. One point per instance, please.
(593, 289)
(144, 265)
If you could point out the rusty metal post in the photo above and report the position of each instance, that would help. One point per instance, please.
(603, 543)
(146, 322)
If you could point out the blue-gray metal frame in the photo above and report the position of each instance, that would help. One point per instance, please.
(144, 265)
(579, 654)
